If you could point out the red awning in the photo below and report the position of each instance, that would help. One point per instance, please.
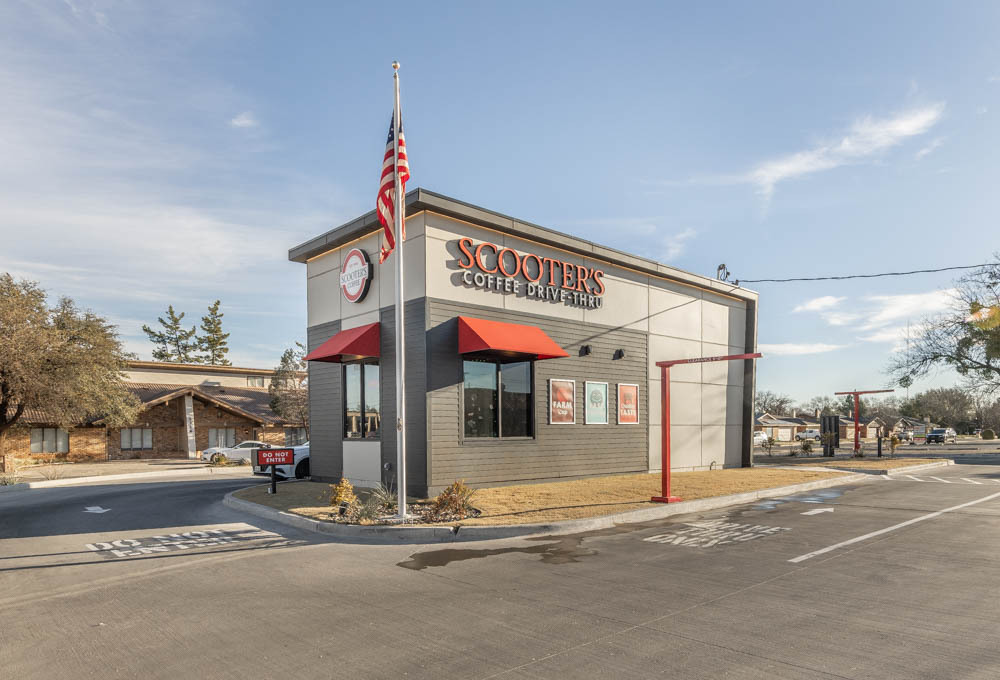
(354, 343)
(506, 339)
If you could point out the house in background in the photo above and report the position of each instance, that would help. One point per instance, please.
(187, 408)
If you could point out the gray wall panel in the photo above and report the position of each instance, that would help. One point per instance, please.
(558, 451)
(326, 451)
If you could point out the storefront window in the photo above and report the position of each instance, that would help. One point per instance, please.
(492, 412)
(361, 389)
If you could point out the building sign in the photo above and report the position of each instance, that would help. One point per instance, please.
(356, 275)
(595, 408)
(562, 402)
(628, 404)
(492, 267)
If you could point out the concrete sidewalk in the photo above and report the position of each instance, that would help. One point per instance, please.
(70, 474)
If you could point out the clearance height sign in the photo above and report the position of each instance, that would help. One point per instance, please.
(491, 267)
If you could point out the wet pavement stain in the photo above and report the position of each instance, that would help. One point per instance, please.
(552, 549)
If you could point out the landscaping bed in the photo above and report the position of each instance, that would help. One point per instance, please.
(533, 503)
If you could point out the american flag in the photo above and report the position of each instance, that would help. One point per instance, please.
(385, 204)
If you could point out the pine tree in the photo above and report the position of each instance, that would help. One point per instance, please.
(213, 344)
(174, 344)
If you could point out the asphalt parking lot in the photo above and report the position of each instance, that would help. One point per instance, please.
(883, 579)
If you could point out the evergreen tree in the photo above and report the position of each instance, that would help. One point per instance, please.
(213, 344)
(174, 344)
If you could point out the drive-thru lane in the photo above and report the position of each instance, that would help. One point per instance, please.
(699, 596)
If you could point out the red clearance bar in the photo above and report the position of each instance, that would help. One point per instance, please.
(275, 457)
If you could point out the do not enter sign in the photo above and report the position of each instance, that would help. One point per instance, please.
(275, 457)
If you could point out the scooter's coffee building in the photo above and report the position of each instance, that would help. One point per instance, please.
(530, 354)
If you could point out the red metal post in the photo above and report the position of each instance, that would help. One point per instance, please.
(665, 496)
(857, 422)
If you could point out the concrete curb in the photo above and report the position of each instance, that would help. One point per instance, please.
(848, 469)
(448, 534)
(44, 484)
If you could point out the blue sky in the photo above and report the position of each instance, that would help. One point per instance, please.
(171, 153)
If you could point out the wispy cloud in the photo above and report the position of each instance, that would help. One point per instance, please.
(929, 148)
(673, 246)
(867, 137)
(819, 304)
(864, 141)
(244, 120)
(795, 349)
(888, 309)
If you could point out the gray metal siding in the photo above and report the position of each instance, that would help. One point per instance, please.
(416, 407)
(326, 425)
(557, 451)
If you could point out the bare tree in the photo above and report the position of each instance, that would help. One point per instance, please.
(966, 339)
(289, 394)
(772, 402)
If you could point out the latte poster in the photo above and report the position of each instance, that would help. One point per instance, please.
(562, 402)
(628, 404)
(596, 405)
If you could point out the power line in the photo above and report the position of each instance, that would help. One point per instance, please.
(862, 276)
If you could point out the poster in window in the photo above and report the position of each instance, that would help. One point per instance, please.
(595, 408)
(562, 402)
(628, 404)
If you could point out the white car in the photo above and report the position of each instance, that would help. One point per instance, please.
(759, 438)
(299, 469)
(807, 434)
(242, 450)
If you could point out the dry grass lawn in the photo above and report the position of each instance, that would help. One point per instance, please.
(530, 503)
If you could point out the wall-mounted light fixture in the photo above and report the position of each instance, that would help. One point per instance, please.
(619, 354)
(585, 350)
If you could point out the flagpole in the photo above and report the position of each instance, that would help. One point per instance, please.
(400, 215)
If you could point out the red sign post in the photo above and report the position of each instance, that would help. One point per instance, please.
(275, 457)
(665, 496)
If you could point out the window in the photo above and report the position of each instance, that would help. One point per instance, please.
(361, 389)
(49, 440)
(136, 438)
(255, 381)
(504, 412)
(223, 437)
(295, 436)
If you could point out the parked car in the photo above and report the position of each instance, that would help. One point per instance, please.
(941, 435)
(243, 450)
(905, 435)
(299, 469)
(807, 434)
(759, 438)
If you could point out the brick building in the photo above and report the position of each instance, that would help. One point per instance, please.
(186, 409)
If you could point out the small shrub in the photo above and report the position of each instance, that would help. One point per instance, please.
(769, 444)
(342, 498)
(219, 459)
(988, 434)
(893, 445)
(9, 478)
(50, 471)
(244, 461)
(385, 497)
(806, 446)
(455, 502)
(366, 513)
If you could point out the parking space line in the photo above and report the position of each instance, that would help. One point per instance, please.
(946, 481)
(858, 539)
(916, 479)
(970, 481)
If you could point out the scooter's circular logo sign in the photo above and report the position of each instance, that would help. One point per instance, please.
(356, 275)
